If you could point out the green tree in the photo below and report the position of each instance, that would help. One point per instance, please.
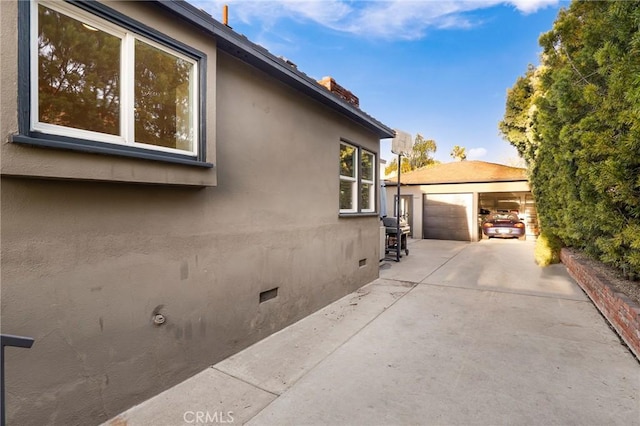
(576, 120)
(393, 166)
(520, 112)
(458, 153)
(422, 152)
(421, 155)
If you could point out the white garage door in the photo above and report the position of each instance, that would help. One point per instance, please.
(447, 216)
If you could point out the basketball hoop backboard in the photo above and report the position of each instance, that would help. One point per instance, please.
(402, 143)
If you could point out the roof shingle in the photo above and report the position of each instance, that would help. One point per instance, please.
(463, 172)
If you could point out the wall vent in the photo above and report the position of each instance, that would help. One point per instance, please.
(268, 295)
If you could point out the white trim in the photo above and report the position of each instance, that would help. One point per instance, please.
(355, 160)
(354, 195)
(357, 181)
(370, 182)
(127, 88)
(194, 96)
(352, 179)
(372, 196)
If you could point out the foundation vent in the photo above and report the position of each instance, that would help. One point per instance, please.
(268, 295)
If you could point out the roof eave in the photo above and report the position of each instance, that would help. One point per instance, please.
(393, 182)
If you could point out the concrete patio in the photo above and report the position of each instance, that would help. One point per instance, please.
(455, 334)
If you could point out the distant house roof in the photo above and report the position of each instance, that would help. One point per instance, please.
(463, 172)
(239, 46)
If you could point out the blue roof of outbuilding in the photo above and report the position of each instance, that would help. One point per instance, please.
(241, 47)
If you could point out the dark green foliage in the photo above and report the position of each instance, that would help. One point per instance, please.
(576, 120)
(518, 115)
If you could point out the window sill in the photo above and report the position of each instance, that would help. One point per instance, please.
(57, 158)
(109, 149)
(368, 214)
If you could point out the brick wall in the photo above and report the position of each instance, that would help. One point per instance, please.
(334, 87)
(621, 312)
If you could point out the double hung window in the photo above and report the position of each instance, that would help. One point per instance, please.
(357, 179)
(95, 80)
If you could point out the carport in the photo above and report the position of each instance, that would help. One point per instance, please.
(448, 201)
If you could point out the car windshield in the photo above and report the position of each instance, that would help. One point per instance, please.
(503, 216)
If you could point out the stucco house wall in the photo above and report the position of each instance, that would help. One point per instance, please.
(91, 251)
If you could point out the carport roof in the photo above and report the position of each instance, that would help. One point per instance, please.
(463, 172)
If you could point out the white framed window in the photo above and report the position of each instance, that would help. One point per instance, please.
(357, 179)
(367, 181)
(348, 178)
(96, 81)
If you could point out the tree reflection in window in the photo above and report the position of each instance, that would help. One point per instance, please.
(348, 161)
(79, 84)
(367, 194)
(162, 104)
(367, 165)
(78, 74)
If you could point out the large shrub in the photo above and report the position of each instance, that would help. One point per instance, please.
(576, 120)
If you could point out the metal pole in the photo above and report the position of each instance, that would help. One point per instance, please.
(398, 236)
(15, 341)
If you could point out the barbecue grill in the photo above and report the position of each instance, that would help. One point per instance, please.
(391, 232)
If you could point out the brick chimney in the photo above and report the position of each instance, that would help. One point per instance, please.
(334, 87)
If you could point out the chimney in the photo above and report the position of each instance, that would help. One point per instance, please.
(334, 87)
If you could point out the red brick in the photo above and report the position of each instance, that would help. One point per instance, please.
(621, 312)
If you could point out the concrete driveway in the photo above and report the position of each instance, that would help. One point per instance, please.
(456, 333)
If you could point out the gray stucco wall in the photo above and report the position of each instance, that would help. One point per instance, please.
(85, 265)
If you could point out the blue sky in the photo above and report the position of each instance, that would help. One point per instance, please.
(440, 68)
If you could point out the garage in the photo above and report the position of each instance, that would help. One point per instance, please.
(447, 216)
(448, 201)
(520, 203)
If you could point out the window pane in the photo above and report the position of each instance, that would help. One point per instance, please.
(78, 74)
(366, 196)
(162, 98)
(347, 161)
(346, 195)
(367, 165)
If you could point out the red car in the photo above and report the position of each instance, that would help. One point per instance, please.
(503, 225)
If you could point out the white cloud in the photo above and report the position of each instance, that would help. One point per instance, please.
(475, 153)
(401, 19)
(532, 6)
(389, 19)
